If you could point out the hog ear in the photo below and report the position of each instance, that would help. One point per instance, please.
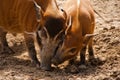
(87, 37)
(69, 26)
(60, 35)
(38, 10)
(43, 34)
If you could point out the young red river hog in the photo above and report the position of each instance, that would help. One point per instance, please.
(79, 33)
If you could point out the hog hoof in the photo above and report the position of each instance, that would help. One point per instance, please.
(96, 61)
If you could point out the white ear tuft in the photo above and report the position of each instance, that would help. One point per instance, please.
(69, 25)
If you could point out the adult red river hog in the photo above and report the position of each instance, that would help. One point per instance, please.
(79, 34)
(54, 24)
(27, 17)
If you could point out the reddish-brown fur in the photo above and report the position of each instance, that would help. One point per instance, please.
(76, 40)
(20, 16)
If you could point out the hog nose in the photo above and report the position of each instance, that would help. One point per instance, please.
(46, 68)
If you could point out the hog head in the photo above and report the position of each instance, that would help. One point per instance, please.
(71, 46)
(50, 35)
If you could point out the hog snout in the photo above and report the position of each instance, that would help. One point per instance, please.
(46, 67)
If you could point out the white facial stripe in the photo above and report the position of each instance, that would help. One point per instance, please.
(58, 34)
(69, 25)
(47, 39)
(46, 32)
(36, 4)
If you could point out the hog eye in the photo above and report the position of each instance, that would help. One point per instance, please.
(73, 50)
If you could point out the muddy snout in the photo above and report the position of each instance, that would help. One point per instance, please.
(46, 67)
(46, 55)
(46, 64)
(45, 61)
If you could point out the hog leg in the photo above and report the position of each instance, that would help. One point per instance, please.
(29, 39)
(82, 55)
(92, 59)
(90, 50)
(87, 41)
(5, 48)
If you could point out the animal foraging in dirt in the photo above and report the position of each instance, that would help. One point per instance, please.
(79, 34)
(29, 16)
(54, 23)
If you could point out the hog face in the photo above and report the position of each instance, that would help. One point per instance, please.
(67, 50)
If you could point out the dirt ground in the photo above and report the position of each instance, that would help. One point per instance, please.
(17, 66)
